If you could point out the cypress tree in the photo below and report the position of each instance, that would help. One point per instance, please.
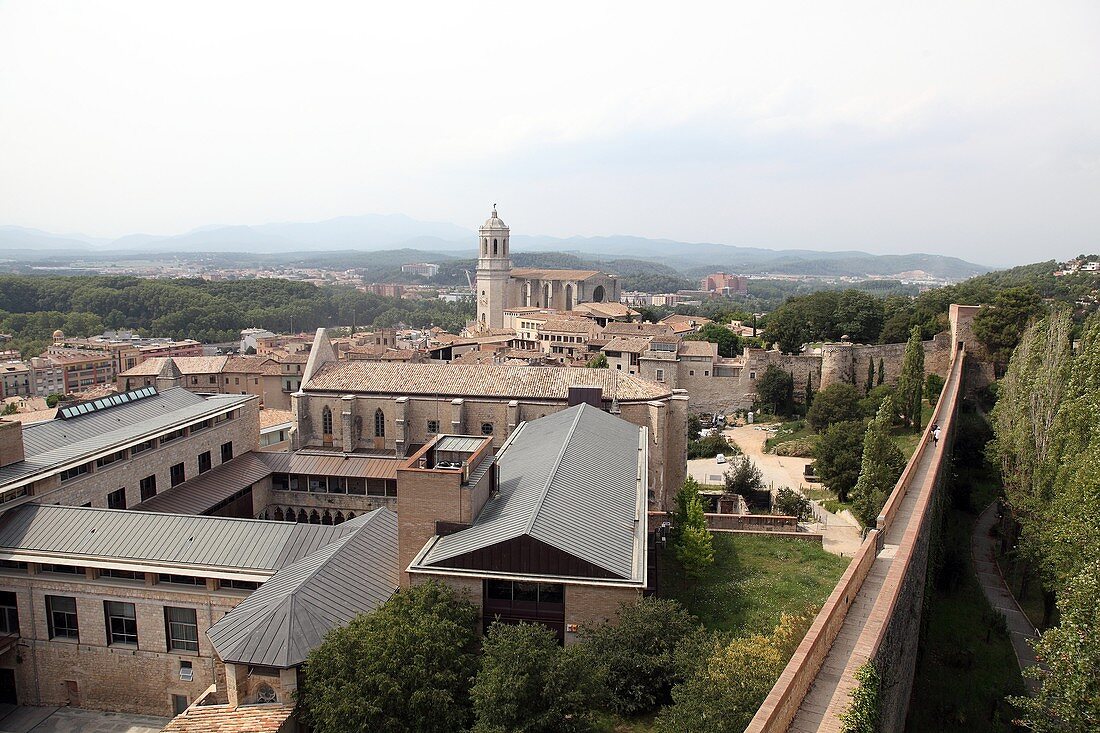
(882, 464)
(870, 375)
(881, 371)
(809, 389)
(911, 381)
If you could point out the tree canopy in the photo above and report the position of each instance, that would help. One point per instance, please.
(839, 455)
(729, 343)
(836, 403)
(881, 465)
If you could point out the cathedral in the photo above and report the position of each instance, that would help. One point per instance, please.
(502, 287)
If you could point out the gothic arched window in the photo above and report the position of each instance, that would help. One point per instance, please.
(494, 248)
(326, 421)
(379, 423)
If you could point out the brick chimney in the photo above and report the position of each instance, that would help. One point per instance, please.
(11, 442)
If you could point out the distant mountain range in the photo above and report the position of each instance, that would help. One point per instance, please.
(374, 232)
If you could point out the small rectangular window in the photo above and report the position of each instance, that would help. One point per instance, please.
(9, 613)
(142, 447)
(177, 474)
(204, 461)
(660, 375)
(74, 472)
(117, 499)
(121, 623)
(227, 451)
(148, 487)
(182, 629)
(61, 614)
(433, 427)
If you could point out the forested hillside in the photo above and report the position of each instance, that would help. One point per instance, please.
(32, 307)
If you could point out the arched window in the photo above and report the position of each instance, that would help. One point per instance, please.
(326, 518)
(379, 423)
(302, 516)
(484, 247)
(326, 421)
(339, 518)
(598, 294)
(351, 516)
(314, 517)
(278, 514)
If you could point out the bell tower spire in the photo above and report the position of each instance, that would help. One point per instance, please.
(494, 269)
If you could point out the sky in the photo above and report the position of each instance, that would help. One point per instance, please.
(965, 128)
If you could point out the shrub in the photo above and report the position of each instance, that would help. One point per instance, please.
(710, 446)
(790, 503)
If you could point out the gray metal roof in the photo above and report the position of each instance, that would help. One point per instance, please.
(53, 443)
(459, 443)
(209, 489)
(570, 480)
(87, 533)
(288, 616)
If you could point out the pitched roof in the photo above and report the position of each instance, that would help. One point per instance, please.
(179, 540)
(570, 324)
(54, 443)
(184, 364)
(608, 308)
(288, 616)
(623, 328)
(479, 380)
(271, 416)
(543, 273)
(571, 480)
(629, 345)
(698, 348)
(224, 719)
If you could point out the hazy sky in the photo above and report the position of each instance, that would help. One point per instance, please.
(966, 128)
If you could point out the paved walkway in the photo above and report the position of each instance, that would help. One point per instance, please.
(30, 719)
(983, 548)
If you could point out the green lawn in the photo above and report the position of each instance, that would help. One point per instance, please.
(788, 431)
(752, 581)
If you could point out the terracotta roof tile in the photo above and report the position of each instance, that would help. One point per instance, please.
(223, 719)
(539, 273)
(478, 380)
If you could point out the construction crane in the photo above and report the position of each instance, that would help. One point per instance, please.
(469, 280)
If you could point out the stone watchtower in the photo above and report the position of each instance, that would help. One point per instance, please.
(494, 270)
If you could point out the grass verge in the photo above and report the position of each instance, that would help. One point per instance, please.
(752, 581)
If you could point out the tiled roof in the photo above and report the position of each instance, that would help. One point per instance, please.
(288, 616)
(629, 345)
(569, 325)
(224, 719)
(270, 416)
(33, 415)
(571, 481)
(539, 273)
(620, 328)
(250, 364)
(698, 348)
(186, 365)
(479, 380)
(611, 309)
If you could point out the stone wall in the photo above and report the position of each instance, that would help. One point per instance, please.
(130, 679)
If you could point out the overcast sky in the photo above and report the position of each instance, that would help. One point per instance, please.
(965, 128)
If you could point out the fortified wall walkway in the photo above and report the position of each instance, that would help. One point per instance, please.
(855, 621)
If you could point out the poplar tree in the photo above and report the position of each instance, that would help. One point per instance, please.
(881, 371)
(870, 376)
(880, 468)
(911, 381)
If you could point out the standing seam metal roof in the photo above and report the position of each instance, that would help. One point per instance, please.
(289, 615)
(53, 443)
(148, 537)
(569, 480)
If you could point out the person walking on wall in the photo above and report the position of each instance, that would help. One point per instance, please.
(936, 435)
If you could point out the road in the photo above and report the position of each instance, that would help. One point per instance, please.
(842, 535)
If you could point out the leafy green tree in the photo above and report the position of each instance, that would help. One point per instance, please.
(527, 683)
(1069, 656)
(726, 690)
(692, 541)
(839, 456)
(599, 361)
(933, 386)
(911, 381)
(405, 667)
(774, 390)
(729, 343)
(10, 409)
(790, 503)
(999, 326)
(786, 327)
(868, 406)
(637, 654)
(836, 403)
(743, 477)
(710, 446)
(881, 465)
(695, 427)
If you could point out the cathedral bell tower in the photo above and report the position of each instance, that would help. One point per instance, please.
(494, 270)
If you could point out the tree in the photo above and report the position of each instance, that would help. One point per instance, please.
(809, 389)
(710, 446)
(691, 539)
(407, 666)
(636, 654)
(868, 406)
(836, 403)
(695, 427)
(1069, 667)
(743, 477)
(774, 390)
(839, 456)
(729, 343)
(790, 503)
(52, 400)
(870, 384)
(599, 361)
(933, 385)
(726, 690)
(911, 381)
(527, 683)
(881, 465)
(881, 372)
(10, 409)
(998, 327)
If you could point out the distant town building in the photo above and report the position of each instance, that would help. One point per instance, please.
(389, 290)
(423, 269)
(724, 284)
